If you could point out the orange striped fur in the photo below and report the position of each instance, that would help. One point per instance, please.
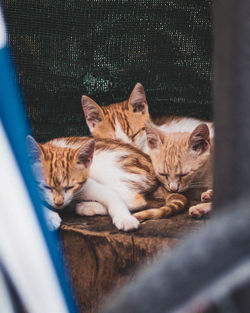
(122, 121)
(63, 174)
(174, 204)
(183, 163)
(61, 171)
(125, 121)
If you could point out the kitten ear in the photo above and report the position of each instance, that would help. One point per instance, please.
(153, 136)
(137, 99)
(199, 140)
(85, 153)
(34, 150)
(93, 113)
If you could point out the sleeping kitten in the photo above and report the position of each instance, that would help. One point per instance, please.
(125, 120)
(116, 175)
(183, 163)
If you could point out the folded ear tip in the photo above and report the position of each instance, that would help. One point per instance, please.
(202, 129)
(204, 125)
(92, 142)
(84, 99)
(89, 104)
(138, 84)
(89, 145)
(139, 87)
(30, 139)
(85, 153)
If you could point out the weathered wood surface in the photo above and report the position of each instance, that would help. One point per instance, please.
(101, 258)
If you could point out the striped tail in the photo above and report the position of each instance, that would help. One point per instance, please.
(174, 204)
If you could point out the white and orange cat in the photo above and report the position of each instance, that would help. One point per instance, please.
(78, 170)
(183, 163)
(125, 120)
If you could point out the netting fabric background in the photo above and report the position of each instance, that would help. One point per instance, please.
(102, 48)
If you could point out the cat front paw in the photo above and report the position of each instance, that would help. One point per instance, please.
(207, 196)
(200, 209)
(90, 208)
(126, 223)
(53, 219)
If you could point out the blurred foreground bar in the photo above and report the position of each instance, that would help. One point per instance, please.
(231, 100)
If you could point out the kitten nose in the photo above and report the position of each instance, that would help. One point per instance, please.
(173, 187)
(58, 201)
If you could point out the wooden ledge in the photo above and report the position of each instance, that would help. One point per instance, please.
(101, 258)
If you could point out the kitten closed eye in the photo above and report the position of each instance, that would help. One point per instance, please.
(182, 175)
(68, 188)
(164, 174)
(47, 187)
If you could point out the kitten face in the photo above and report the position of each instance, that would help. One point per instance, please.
(123, 121)
(60, 172)
(179, 158)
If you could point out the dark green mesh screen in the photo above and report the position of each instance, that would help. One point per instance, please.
(101, 48)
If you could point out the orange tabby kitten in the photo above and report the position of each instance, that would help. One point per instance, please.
(183, 163)
(116, 175)
(125, 120)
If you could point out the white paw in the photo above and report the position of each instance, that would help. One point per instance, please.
(90, 208)
(207, 196)
(53, 220)
(200, 209)
(126, 223)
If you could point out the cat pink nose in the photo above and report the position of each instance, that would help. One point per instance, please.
(58, 202)
(173, 187)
